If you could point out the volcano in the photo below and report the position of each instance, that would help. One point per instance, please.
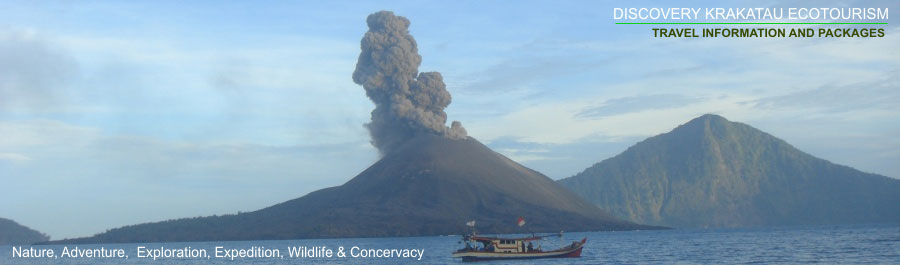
(430, 185)
(431, 179)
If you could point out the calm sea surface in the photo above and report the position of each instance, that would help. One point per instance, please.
(869, 244)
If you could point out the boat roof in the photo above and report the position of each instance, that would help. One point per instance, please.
(485, 238)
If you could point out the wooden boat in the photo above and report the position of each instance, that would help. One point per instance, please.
(496, 248)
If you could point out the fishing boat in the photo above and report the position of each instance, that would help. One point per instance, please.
(479, 248)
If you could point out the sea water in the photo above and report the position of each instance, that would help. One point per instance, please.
(844, 244)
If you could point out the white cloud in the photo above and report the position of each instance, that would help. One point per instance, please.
(14, 157)
(527, 154)
(561, 122)
(32, 133)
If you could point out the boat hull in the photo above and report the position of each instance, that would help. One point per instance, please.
(571, 252)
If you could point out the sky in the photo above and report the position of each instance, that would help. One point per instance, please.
(117, 113)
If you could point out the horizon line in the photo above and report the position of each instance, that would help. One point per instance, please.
(750, 23)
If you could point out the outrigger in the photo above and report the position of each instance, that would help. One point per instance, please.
(497, 248)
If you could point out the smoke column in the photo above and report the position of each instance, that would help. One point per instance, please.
(407, 103)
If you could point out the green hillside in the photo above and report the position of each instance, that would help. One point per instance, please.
(12, 233)
(711, 172)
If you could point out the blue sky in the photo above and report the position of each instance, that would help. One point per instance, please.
(116, 113)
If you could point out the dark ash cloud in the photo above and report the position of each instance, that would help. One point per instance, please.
(407, 102)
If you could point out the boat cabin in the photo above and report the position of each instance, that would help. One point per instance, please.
(503, 245)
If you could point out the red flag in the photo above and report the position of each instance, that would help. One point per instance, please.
(521, 221)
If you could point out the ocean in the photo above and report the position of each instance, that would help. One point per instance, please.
(837, 244)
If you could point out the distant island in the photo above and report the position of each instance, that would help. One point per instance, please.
(12, 233)
(711, 172)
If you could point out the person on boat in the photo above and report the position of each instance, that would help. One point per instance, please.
(530, 247)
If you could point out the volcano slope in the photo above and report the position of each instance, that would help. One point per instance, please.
(430, 185)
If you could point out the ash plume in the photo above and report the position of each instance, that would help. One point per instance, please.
(407, 102)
